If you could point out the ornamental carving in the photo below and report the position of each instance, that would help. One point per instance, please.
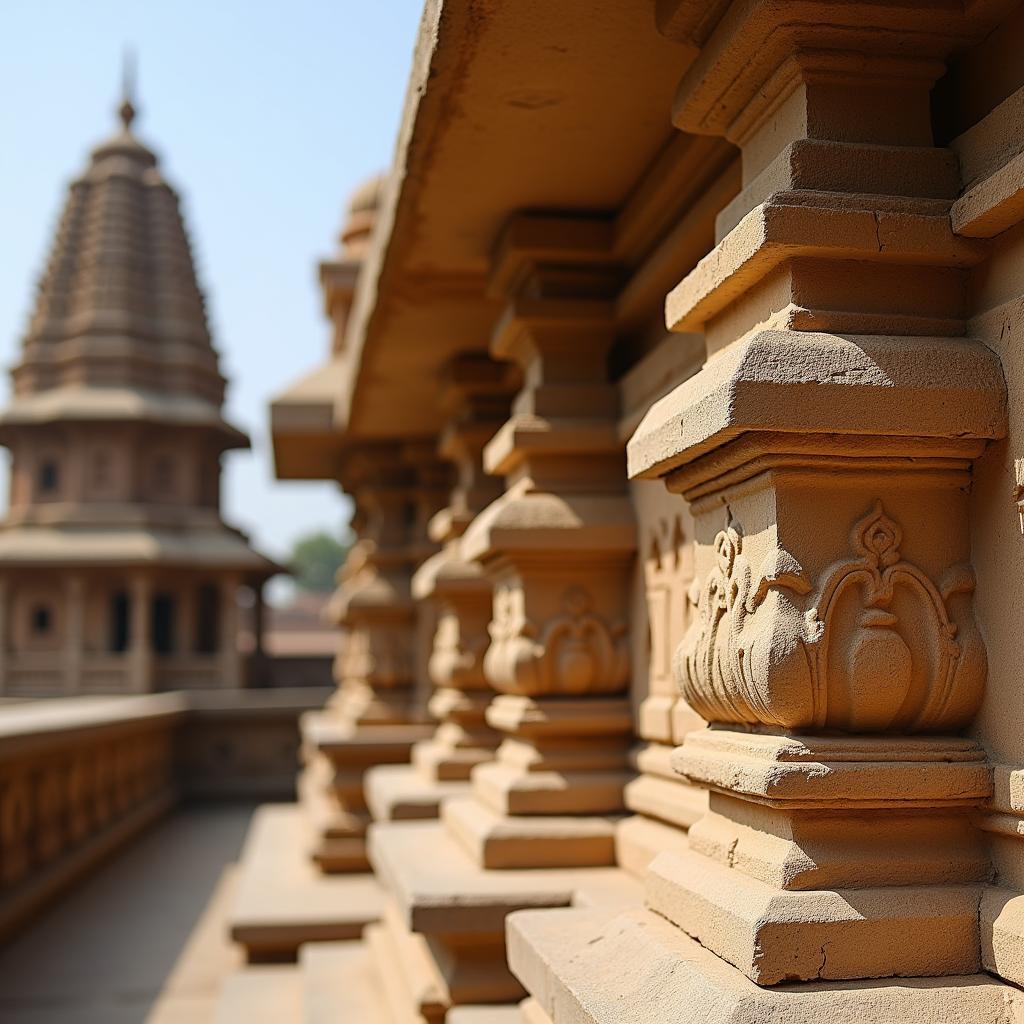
(875, 645)
(379, 655)
(576, 652)
(457, 658)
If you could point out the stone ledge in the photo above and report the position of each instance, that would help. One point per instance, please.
(38, 726)
(261, 995)
(800, 384)
(993, 205)
(439, 889)
(401, 793)
(1002, 933)
(344, 742)
(529, 841)
(634, 967)
(282, 900)
(408, 977)
(339, 983)
(774, 935)
(820, 225)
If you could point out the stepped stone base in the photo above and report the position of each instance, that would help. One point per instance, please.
(599, 966)
(261, 995)
(454, 911)
(440, 889)
(484, 1015)
(638, 840)
(282, 900)
(412, 985)
(402, 792)
(530, 841)
(340, 984)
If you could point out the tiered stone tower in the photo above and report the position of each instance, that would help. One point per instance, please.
(117, 573)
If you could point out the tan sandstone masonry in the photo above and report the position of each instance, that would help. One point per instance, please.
(77, 779)
(538, 828)
(475, 391)
(558, 546)
(826, 451)
(665, 804)
(379, 709)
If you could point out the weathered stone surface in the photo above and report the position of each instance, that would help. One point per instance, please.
(282, 900)
(599, 967)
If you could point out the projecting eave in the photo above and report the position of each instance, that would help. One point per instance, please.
(211, 548)
(117, 405)
(307, 445)
(493, 124)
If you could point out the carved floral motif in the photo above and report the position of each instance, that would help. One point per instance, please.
(875, 646)
(457, 658)
(576, 652)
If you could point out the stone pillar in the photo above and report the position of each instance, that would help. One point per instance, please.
(457, 597)
(228, 655)
(376, 714)
(825, 451)
(557, 547)
(74, 637)
(140, 646)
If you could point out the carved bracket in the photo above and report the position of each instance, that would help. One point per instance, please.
(576, 652)
(876, 645)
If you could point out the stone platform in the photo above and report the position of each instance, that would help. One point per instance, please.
(599, 966)
(401, 792)
(283, 900)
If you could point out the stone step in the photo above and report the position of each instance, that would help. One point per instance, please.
(415, 992)
(481, 1013)
(267, 994)
(400, 792)
(283, 900)
(340, 984)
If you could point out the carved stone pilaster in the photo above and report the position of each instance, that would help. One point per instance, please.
(557, 548)
(476, 393)
(379, 709)
(826, 450)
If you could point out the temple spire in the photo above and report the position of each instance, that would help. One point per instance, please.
(126, 111)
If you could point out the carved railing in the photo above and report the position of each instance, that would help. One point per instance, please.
(77, 778)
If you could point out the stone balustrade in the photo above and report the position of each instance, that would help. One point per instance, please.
(77, 778)
(80, 776)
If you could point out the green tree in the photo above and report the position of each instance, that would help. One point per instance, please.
(315, 559)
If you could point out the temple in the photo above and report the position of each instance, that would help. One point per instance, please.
(673, 376)
(117, 573)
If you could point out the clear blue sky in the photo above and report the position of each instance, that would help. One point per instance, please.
(265, 116)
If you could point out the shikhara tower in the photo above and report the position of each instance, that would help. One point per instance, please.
(117, 573)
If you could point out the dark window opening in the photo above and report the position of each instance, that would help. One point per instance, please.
(49, 477)
(42, 620)
(163, 623)
(207, 619)
(119, 614)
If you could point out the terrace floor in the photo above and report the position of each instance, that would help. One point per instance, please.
(143, 940)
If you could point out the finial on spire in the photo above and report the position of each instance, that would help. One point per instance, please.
(127, 109)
